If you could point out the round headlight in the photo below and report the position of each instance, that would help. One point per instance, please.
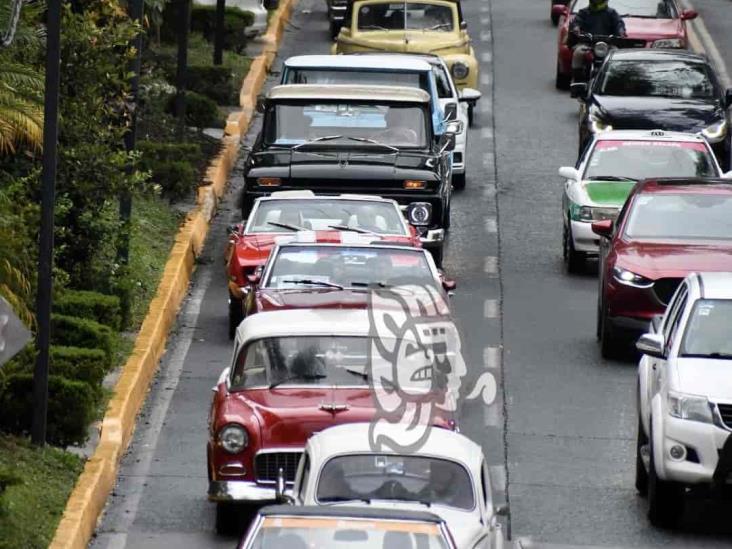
(601, 49)
(233, 438)
(460, 70)
(420, 213)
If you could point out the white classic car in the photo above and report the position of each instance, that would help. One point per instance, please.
(685, 397)
(446, 475)
(256, 7)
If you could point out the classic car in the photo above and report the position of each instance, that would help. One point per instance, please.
(648, 23)
(654, 89)
(556, 13)
(314, 276)
(292, 373)
(667, 229)
(375, 140)
(414, 26)
(336, 15)
(340, 466)
(280, 216)
(285, 526)
(613, 162)
(258, 9)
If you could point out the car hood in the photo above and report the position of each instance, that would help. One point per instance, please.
(321, 298)
(674, 259)
(648, 113)
(410, 42)
(706, 377)
(607, 193)
(650, 29)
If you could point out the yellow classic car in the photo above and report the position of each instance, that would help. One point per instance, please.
(411, 26)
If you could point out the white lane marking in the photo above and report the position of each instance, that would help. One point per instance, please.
(492, 357)
(489, 160)
(484, 107)
(498, 477)
(485, 8)
(492, 416)
(485, 21)
(706, 45)
(490, 225)
(491, 308)
(485, 79)
(169, 377)
(485, 36)
(486, 57)
(490, 265)
(486, 133)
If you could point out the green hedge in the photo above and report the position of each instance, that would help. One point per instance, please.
(203, 20)
(102, 308)
(81, 332)
(71, 407)
(201, 112)
(173, 166)
(80, 364)
(214, 82)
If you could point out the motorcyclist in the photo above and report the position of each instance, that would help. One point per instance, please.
(595, 19)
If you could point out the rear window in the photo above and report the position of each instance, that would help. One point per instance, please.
(357, 77)
(674, 79)
(653, 9)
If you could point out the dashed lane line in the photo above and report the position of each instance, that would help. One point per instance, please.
(490, 225)
(490, 265)
(491, 308)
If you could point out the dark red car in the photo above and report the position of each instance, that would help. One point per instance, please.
(297, 372)
(280, 216)
(648, 23)
(667, 229)
(321, 275)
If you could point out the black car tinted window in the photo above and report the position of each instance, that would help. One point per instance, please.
(676, 79)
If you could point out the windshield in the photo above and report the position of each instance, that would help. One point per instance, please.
(675, 79)
(444, 89)
(321, 215)
(301, 360)
(344, 266)
(357, 77)
(681, 217)
(646, 159)
(305, 532)
(390, 16)
(333, 123)
(395, 477)
(656, 9)
(709, 330)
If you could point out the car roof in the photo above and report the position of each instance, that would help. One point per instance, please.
(431, 58)
(348, 512)
(656, 54)
(652, 135)
(691, 185)
(337, 92)
(373, 61)
(714, 285)
(354, 438)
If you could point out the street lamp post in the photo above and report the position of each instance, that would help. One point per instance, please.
(184, 24)
(48, 192)
(218, 53)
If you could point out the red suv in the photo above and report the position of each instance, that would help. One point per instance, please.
(648, 23)
(667, 229)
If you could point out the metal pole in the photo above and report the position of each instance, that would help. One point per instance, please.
(184, 24)
(218, 53)
(48, 192)
(125, 201)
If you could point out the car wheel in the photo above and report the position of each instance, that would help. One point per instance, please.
(561, 81)
(471, 115)
(555, 19)
(458, 181)
(437, 254)
(641, 475)
(574, 261)
(610, 342)
(665, 498)
(228, 519)
(236, 315)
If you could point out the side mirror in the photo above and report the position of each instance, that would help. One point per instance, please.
(688, 15)
(559, 10)
(651, 345)
(603, 228)
(568, 172)
(261, 103)
(501, 510)
(454, 126)
(463, 25)
(578, 90)
(449, 284)
(280, 494)
(447, 142)
(451, 112)
(728, 98)
(470, 95)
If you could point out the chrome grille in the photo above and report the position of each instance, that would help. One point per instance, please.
(664, 288)
(266, 466)
(725, 412)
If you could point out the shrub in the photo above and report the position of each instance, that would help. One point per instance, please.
(79, 364)
(82, 332)
(214, 82)
(102, 308)
(201, 112)
(173, 166)
(71, 407)
(203, 20)
(153, 151)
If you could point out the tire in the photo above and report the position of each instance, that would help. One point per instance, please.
(574, 261)
(458, 181)
(333, 29)
(610, 342)
(227, 519)
(471, 115)
(446, 217)
(665, 498)
(555, 19)
(641, 475)
(236, 315)
(437, 254)
(561, 81)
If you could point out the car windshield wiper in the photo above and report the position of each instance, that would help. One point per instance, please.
(361, 373)
(295, 378)
(354, 229)
(373, 142)
(371, 284)
(344, 499)
(316, 140)
(313, 283)
(438, 26)
(723, 356)
(610, 178)
(286, 226)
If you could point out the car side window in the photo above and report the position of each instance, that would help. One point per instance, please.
(250, 366)
(673, 308)
(676, 323)
(304, 477)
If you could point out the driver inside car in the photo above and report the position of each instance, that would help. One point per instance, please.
(596, 19)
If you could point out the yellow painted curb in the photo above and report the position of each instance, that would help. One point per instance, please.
(86, 502)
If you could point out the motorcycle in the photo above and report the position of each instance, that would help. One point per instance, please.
(599, 47)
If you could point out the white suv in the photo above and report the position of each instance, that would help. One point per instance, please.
(685, 397)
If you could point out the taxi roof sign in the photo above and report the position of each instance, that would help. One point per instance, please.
(13, 333)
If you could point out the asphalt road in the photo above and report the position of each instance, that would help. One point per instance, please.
(560, 435)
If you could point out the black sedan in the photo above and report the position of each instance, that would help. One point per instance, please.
(658, 89)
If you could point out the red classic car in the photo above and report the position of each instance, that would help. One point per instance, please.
(667, 229)
(294, 373)
(323, 218)
(648, 23)
(312, 276)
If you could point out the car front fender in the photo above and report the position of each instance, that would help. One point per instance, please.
(470, 81)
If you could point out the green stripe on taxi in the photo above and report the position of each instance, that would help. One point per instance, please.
(611, 193)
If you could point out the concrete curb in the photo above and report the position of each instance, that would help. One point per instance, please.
(86, 502)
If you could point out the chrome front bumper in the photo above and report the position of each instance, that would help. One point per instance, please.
(241, 491)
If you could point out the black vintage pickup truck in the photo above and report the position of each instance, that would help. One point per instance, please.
(375, 140)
